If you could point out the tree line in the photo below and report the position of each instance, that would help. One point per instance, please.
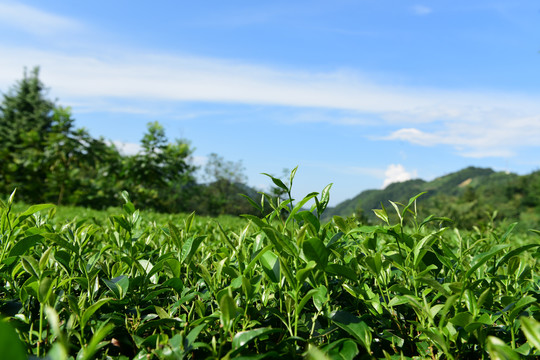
(48, 159)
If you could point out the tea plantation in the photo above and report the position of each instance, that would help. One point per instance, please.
(132, 285)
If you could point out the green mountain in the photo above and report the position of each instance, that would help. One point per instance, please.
(469, 196)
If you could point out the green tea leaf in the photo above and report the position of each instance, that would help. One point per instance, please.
(10, 345)
(498, 350)
(44, 260)
(24, 244)
(520, 305)
(411, 202)
(340, 223)
(31, 266)
(175, 234)
(531, 329)
(305, 299)
(96, 343)
(303, 273)
(299, 206)
(341, 270)
(421, 247)
(308, 217)
(462, 319)
(119, 286)
(190, 247)
(243, 338)
(45, 289)
(228, 309)
(320, 297)
(342, 349)
(314, 249)
(354, 326)
(270, 264)
(484, 257)
(30, 211)
(193, 334)
(253, 203)
(382, 214)
(291, 176)
(277, 182)
(88, 312)
(515, 252)
(314, 353)
(120, 220)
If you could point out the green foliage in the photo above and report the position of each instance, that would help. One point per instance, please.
(138, 285)
(471, 197)
(161, 166)
(26, 117)
(47, 159)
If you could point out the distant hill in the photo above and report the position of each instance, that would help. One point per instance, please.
(465, 196)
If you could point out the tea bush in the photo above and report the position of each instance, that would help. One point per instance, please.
(138, 286)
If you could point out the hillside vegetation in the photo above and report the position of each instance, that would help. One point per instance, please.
(469, 196)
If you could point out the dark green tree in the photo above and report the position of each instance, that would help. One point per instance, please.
(80, 169)
(26, 117)
(160, 166)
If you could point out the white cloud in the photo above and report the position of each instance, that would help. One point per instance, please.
(397, 173)
(421, 10)
(495, 137)
(184, 78)
(475, 123)
(160, 77)
(414, 136)
(35, 21)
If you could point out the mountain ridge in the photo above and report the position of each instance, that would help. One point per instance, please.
(462, 194)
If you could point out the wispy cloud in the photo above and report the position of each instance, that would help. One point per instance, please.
(133, 75)
(421, 10)
(32, 20)
(487, 138)
(475, 123)
(186, 78)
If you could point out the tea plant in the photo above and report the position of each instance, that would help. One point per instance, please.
(282, 284)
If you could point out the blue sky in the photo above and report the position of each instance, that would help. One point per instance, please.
(356, 93)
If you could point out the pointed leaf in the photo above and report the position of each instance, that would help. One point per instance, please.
(354, 326)
(228, 309)
(314, 249)
(341, 270)
(298, 206)
(10, 345)
(92, 309)
(31, 266)
(24, 244)
(531, 329)
(30, 211)
(484, 257)
(270, 264)
(498, 350)
(242, 338)
(277, 182)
